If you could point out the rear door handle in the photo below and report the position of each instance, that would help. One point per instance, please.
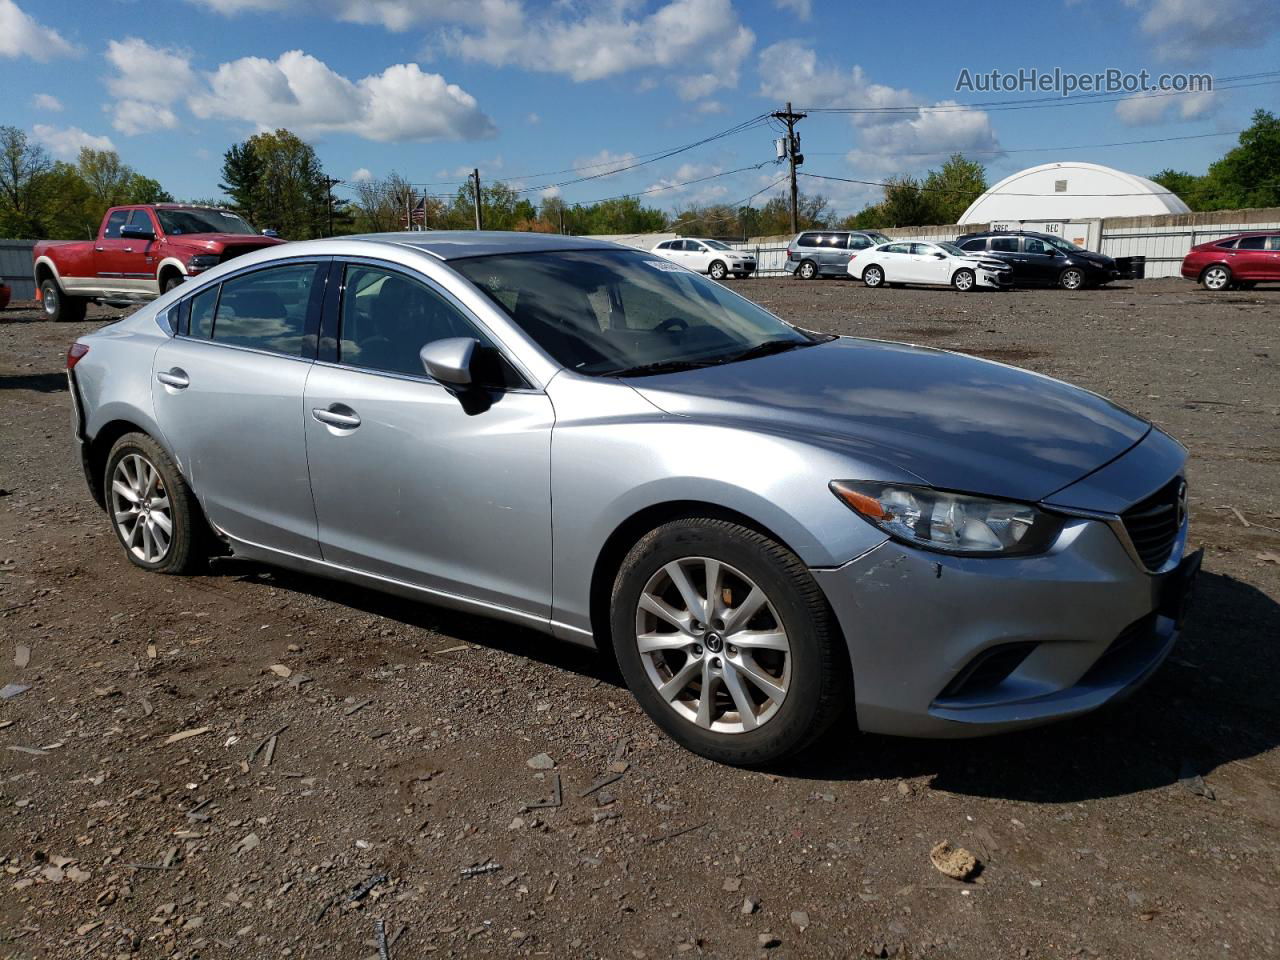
(337, 415)
(175, 377)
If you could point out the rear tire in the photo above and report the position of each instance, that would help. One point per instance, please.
(807, 270)
(1216, 278)
(58, 307)
(965, 281)
(144, 492)
(788, 642)
(873, 276)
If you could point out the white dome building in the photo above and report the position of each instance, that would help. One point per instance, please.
(1072, 191)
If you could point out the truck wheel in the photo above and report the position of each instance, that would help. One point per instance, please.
(58, 306)
(170, 281)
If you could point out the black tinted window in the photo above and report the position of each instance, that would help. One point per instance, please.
(1227, 244)
(115, 222)
(1032, 245)
(141, 219)
(387, 318)
(1252, 243)
(859, 242)
(202, 307)
(978, 244)
(808, 240)
(1004, 244)
(1273, 243)
(267, 309)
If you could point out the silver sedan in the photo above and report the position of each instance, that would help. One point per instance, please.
(767, 527)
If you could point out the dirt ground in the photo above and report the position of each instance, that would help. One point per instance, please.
(353, 754)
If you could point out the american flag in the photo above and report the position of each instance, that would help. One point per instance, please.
(419, 213)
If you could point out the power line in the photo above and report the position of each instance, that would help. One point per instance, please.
(1001, 151)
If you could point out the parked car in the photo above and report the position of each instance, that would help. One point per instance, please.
(6, 294)
(712, 257)
(1043, 259)
(1241, 261)
(933, 264)
(141, 252)
(825, 253)
(766, 526)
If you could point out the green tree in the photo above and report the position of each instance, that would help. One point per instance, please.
(23, 167)
(1249, 174)
(145, 190)
(292, 195)
(242, 178)
(1186, 186)
(951, 189)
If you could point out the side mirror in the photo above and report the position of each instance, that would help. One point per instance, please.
(130, 232)
(270, 233)
(449, 361)
(940, 256)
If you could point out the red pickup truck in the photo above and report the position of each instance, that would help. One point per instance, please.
(141, 252)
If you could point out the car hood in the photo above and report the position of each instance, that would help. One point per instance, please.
(218, 242)
(954, 421)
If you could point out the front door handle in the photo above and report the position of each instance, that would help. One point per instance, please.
(175, 377)
(337, 415)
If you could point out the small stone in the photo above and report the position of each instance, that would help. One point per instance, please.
(293, 648)
(750, 905)
(516, 823)
(733, 884)
(281, 671)
(768, 941)
(248, 843)
(904, 789)
(955, 862)
(619, 766)
(800, 919)
(541, 762)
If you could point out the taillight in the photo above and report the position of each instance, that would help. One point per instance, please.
(852, 257)
(74, 353)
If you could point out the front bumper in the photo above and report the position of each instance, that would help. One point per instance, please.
(994, 279)
(1079, 626)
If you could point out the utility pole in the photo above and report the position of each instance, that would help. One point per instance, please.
(475, 190)
(795, 158)
(330, 183)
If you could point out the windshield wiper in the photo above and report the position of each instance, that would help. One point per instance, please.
(660, 366)
(766, 348)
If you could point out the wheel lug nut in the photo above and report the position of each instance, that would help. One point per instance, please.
(732, 650)
(697, 649)
(715, 662)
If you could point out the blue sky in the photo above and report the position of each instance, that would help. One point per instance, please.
(432, 88)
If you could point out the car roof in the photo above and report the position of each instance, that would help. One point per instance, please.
(1004, 233)
(457, 244)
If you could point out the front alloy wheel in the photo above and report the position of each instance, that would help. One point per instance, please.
(963, 281)
(1071, 279)
(712, 645)
(727, 642)
(717, 270)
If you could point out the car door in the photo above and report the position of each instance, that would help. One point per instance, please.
(833, 253)
(931, 264)
(895, 259)
(228, 396)
(1008, 250)
(411, 482)
(1251, 259)
(1272, 263)
(698, 256)
(1040, 261)
(111, 258)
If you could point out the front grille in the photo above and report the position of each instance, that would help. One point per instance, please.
(1154, 523)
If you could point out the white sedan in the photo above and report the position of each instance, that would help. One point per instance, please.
(711, 257)
(936, 264)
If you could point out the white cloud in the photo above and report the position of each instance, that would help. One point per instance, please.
(700, 44)
(1187, 29)
(1140, 111)
(889, 142)
(23, 36)
(132, 117)
(549, 193)
(65, 142)
(533, 119)
(144, 81)
(396, 15)
(46, 101)
(801, 8)
(300, 92)
(604, 164)
(362, 175)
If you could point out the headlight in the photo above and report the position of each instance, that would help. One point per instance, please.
(950, 522)
(203, 261)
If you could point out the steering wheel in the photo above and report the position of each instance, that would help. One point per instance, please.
(673, 323)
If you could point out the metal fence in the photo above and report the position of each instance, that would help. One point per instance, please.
(15, 267)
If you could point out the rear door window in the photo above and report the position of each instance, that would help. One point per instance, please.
(1004, 244)
(808, 240)
(1273, 243)
(203, 305)
(973, 245)
(1252, 243)
(268, 309)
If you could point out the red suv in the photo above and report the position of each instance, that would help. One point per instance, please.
(1240, 261)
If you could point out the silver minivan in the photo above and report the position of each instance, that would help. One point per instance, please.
(825, 253)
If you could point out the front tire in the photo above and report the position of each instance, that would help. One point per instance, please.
(727, 642)
(58, 307)
(1071, 278)
(170, 281)
(1217, 277)
(717, 270)
(873, 276)
(152, 510)
(807, 270)
(964, 280)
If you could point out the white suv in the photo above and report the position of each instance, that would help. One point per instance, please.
(711, 257)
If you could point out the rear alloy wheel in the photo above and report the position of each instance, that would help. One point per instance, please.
(153, 512)
(59, 307)
(807, 270)
(1216, 278)
(873, 276)
(717, 270)
(727, 642)
(1071, 278)
(964, 280)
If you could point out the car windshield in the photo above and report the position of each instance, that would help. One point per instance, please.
(1066, 246)
(175, 222)
(622, 313)
(952, 249)
(717, 245)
